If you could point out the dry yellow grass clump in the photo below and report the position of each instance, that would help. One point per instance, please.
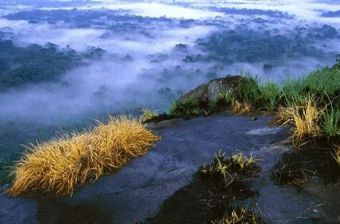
(305, 120)
(59, 166)
(283, 115)
(241, 107)
(239, 216)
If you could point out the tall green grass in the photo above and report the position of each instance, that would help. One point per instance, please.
(331, 121)
(188, 108)
(248, 90)
(270, 93)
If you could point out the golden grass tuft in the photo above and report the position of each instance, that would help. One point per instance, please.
(305, 120)
(241, 107)
(59, 166)
(239, 216)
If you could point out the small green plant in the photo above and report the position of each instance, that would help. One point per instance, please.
(243, 161)
(220, 166)
(227, 167)
(148, 114)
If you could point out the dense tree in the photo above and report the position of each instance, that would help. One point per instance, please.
(33, 64)
(249, 45)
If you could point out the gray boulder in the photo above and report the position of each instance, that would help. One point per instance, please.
(212, 90)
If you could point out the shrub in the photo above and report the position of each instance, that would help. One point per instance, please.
(59, 166)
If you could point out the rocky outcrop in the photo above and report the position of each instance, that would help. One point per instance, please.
(212, 90)
(148, 180)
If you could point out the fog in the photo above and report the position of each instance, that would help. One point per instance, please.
(152, 52)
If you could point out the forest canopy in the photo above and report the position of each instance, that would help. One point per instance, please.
(34, 64)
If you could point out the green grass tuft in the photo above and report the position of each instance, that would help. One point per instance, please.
(226, 167)
(331, 121)
(248, 90)
(304, 102)
(188, 108)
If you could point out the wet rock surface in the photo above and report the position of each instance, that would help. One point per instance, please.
(138, 190)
